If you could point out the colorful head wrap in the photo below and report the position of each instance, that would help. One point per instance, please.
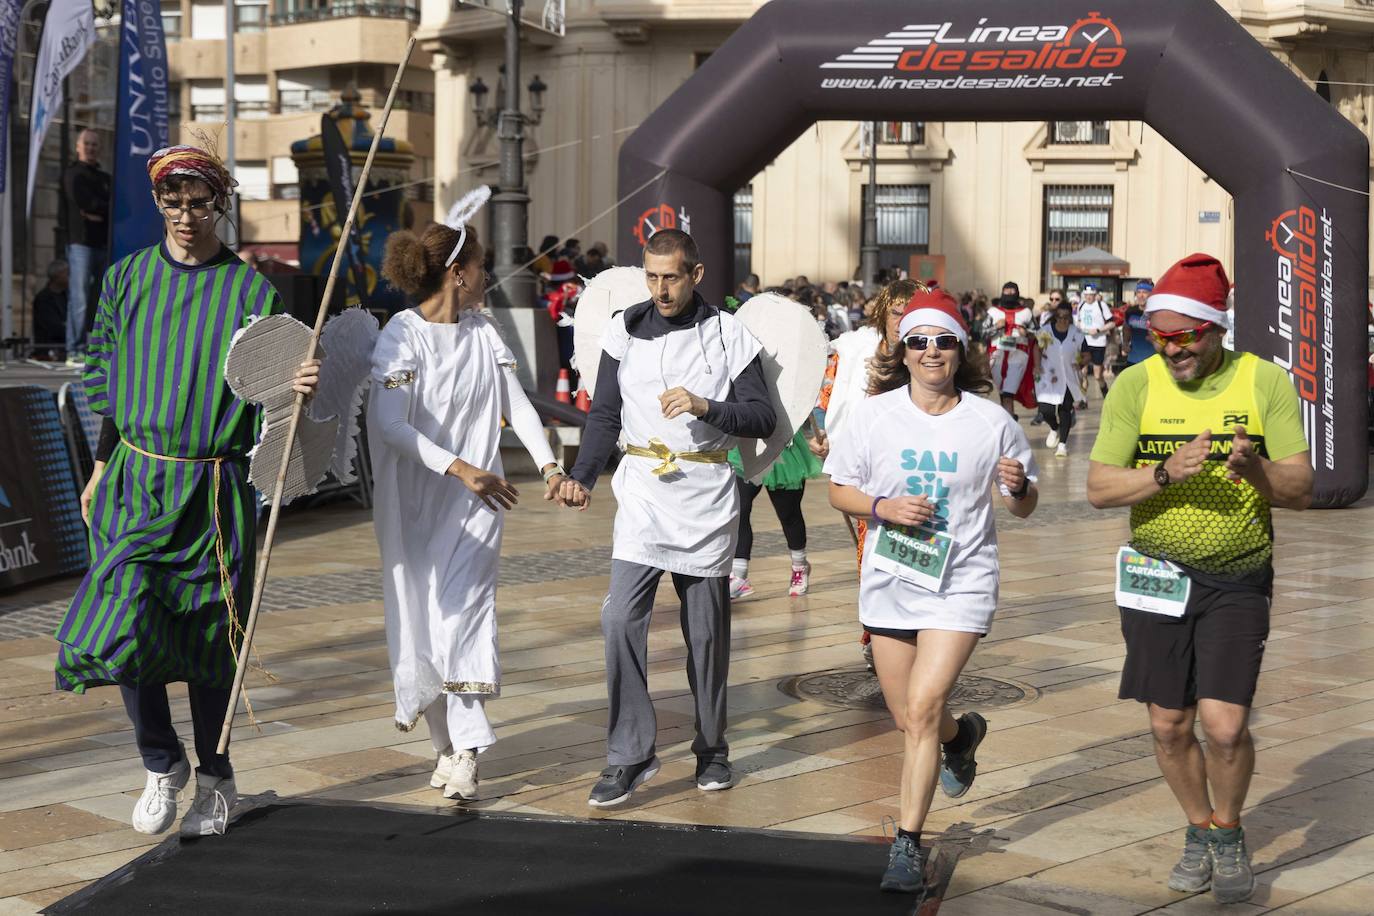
(192, 162)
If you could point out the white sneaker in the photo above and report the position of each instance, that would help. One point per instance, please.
(1052, 439)
(740, 588)
(1062, 451)
(157, 807)
(443, 770)
(209, 814)
(462, 783)
(801, 581)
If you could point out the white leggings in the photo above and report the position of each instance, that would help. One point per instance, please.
(459, 721)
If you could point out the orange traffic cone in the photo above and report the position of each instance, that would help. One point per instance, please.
(563, 393)
(584, 401)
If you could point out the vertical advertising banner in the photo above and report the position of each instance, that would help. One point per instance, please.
(338, 166)
(141, 107)
(68, 33)
(9, 39)
(41, 531)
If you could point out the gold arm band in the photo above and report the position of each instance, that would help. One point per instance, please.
(669, 458)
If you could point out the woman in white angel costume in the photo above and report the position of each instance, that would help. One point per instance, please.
(442, 381)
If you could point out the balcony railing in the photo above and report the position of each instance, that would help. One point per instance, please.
(346, 9)
(293, 101)
(1080, 133)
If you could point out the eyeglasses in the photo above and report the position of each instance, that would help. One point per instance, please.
(199, 209)
(1184, 338)
(922, 342)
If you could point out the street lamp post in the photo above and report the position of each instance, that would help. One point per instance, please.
(515, 300)
(868, 252)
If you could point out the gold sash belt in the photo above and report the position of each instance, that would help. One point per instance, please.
(669, 458)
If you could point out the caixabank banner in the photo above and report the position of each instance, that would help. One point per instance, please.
(1297, 170)
(41, 532)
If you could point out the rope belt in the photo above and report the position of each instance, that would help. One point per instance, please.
(669, 458)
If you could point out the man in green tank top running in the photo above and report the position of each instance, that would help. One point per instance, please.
(1200, 442)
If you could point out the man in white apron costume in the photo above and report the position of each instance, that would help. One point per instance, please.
(680, 382)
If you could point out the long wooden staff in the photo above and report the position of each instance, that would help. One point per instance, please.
(261, 580)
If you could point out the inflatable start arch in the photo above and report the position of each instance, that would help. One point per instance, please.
(1184, 67)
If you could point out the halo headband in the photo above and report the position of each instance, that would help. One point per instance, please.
(459, 215)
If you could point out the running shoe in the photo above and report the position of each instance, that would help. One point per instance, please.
(462, 780)
(1233, 880)
(618, 783)
(906, 865)
(740, 587)
(958, 770)
(157, 806)
(715, 775)
(1062, 451)
(801, 581)
(1052, 439)
(1193, 873)
(209, 814)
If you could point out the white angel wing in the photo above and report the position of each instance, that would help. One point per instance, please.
(349, 338)
(793, 356)
(608, 293)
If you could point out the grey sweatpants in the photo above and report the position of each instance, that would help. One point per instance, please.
(706, 629)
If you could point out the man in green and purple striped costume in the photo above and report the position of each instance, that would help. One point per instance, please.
(171, 512)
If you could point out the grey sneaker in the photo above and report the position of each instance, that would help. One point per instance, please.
(1232, 878)
(957, 770)
(1193, 873)
(906, 865)
(618, 783)
(715, 775)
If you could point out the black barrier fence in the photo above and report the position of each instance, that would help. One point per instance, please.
(1184, 67)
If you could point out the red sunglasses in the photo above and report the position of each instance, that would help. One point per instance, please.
(1184, 338)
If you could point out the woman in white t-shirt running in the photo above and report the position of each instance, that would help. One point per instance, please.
(920, 461)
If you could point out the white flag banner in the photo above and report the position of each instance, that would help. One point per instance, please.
(68, 33)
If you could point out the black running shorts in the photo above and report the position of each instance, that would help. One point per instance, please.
(1098, 354)
(1213, 652)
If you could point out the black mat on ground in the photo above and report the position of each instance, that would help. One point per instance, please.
(340, 859)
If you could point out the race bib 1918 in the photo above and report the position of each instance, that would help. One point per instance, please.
(1146, 584)
(917, 555)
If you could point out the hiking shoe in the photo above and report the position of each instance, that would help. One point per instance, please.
(618, 783)
(462, 781)
(209, 814)
(1193, 873)
(801, 581)
(1052, 439)
(1232, 878)
(740, 588)
(906, 865)
(1062, 451)
(957, 770)
(442, 770)
(715, 776)
(157, 806)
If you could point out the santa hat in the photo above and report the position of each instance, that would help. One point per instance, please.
(1196, 287)
(935, 308)
(562, 270)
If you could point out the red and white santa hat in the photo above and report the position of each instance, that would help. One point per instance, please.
(562, 271)
(1197, 287)
(934, 308)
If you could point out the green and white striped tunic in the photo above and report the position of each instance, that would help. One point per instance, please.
(151, 609)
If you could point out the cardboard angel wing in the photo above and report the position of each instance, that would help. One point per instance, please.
(260, 368)
(793, 356)
(607, 294)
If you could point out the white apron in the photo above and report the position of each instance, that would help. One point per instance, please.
(1059, 366)
(685, 521)
(1010, 344)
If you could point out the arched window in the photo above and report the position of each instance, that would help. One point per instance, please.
(1324, 87)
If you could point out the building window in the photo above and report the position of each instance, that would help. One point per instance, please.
(250, 15)
(1079, 133)
(251, 99)
(744, 233)
(1324, 87)
(207, 100)
(903, 222)
(207, 19)
(1075, 217)
(409, 100)
(285, 179)
(297, 100)
(171, 20)
(288, 11)
(253, 180)
(908, 133)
